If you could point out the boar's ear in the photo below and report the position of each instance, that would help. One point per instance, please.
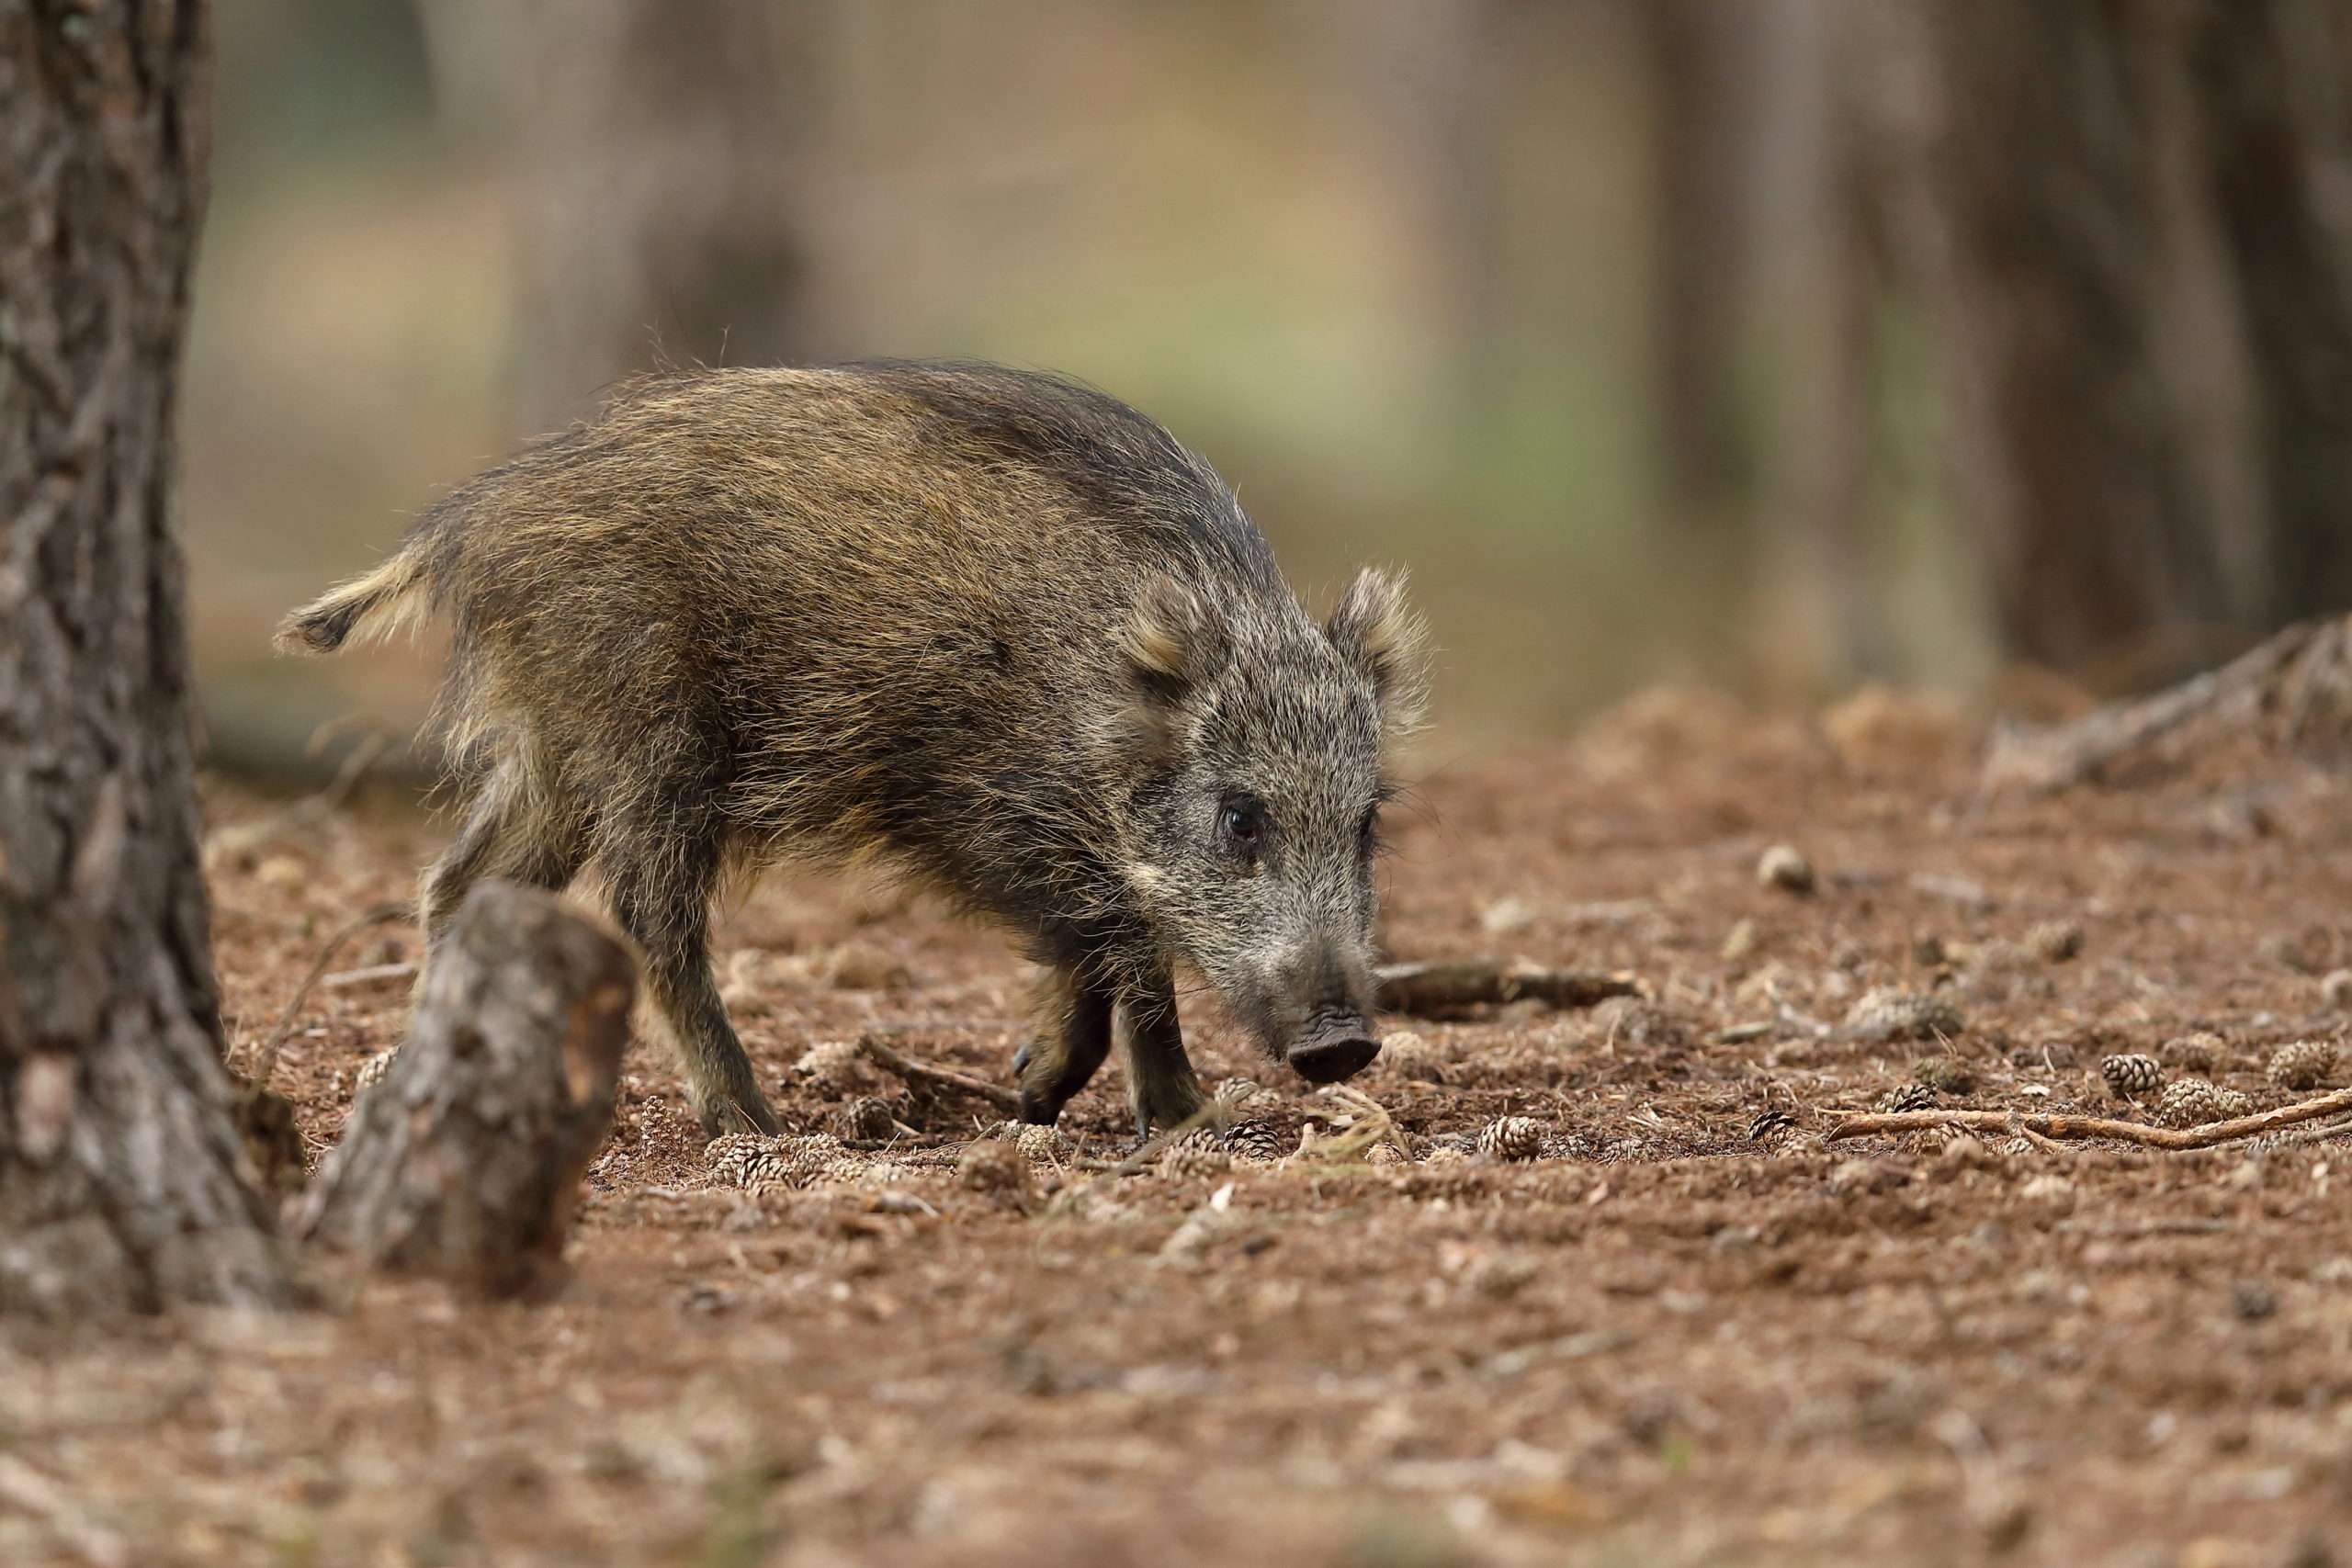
(1375, 630)
(1171, 646)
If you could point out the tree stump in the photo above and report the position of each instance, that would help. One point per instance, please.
(463, 1162)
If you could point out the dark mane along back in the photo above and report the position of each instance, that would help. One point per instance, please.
(1122, 462)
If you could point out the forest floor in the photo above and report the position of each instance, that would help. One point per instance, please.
(1681, 1336)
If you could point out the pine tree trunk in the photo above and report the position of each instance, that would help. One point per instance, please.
(656, 148)
(2024, 214)
(120, 1174)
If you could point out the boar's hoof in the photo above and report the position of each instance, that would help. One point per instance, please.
(1334, 1057)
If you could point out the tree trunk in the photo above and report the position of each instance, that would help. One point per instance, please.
(2275, 74)
(656, 148)
(462, 1162)
(1707, 99)
(121, 1178)
(2025, 217)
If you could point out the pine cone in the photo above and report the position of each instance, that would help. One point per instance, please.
(867, 1118)
(1771, 1124)
(745, 1159)
(2189, 1102)
(836, 1066)
(1910, 1097)
(372, 1070)
(1943, 1075)
(1246, 1097)
(2054, 942)
(2193, 1052)
(850, 1170)
(1041, 1142)
(993, 1166)
(2132, 1076)
(1387, 1153)
(2305, 1065)
(1445, 1154)
(729, 1156)
(1199, 1153)
(1511, 1138)
(1887, 1012)
(1255, 1140)
(1408, 1055)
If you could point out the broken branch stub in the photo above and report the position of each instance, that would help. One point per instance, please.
(1449, 988)
(463, 1163)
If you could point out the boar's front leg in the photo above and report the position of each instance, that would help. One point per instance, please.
(1072, 1036)
(1160, 1083)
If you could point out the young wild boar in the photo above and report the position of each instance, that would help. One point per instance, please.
(993, 631)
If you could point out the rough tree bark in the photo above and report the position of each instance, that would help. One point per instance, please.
(2022, 217)
(122, 1181)
(461, 1163)
(2277, 76)
(657, 147)
(2128, 224)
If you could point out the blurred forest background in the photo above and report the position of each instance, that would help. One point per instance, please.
(2002, 346)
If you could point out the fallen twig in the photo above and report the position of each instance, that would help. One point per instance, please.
(912, 1071)
(2203, 1137)
(1068, 1198)
(2319, 1134)
(368, 976)
(1442, 988)
(1374, 1126)
(375, 916)
(2046, 1145)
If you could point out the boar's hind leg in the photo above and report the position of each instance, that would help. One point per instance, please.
(1161, 1084)
(1073, 1035)
(662, 877)
(513, 832)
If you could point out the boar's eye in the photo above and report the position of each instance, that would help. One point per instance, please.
(1368, 834)
(1242, 821)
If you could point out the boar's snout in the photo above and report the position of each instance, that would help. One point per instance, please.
(1334, 1052)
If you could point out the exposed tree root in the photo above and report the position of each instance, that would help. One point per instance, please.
(2289, 692)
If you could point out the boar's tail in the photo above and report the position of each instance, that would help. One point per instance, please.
(379, 603)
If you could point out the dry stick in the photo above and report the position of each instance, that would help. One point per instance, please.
(2203, 1137)
(376, 915)
(890, 1061)
(2319, 1134)
(2047, 1145)
(1068, 1198)
(1378, 1128)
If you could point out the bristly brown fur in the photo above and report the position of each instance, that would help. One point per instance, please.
(990, 630)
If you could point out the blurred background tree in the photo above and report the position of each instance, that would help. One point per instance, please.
(1777, 344)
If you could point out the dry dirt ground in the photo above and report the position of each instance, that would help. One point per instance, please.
(1676, 1338)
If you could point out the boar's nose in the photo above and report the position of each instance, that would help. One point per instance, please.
(1334, 1052)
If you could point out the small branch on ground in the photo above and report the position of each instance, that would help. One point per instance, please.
(463, 1163)
(376, 916)
(2049, 1126)
(1446, 988)
(1068, 1199)
(912, 1071)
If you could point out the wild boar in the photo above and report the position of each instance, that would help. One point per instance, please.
(993, 632)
